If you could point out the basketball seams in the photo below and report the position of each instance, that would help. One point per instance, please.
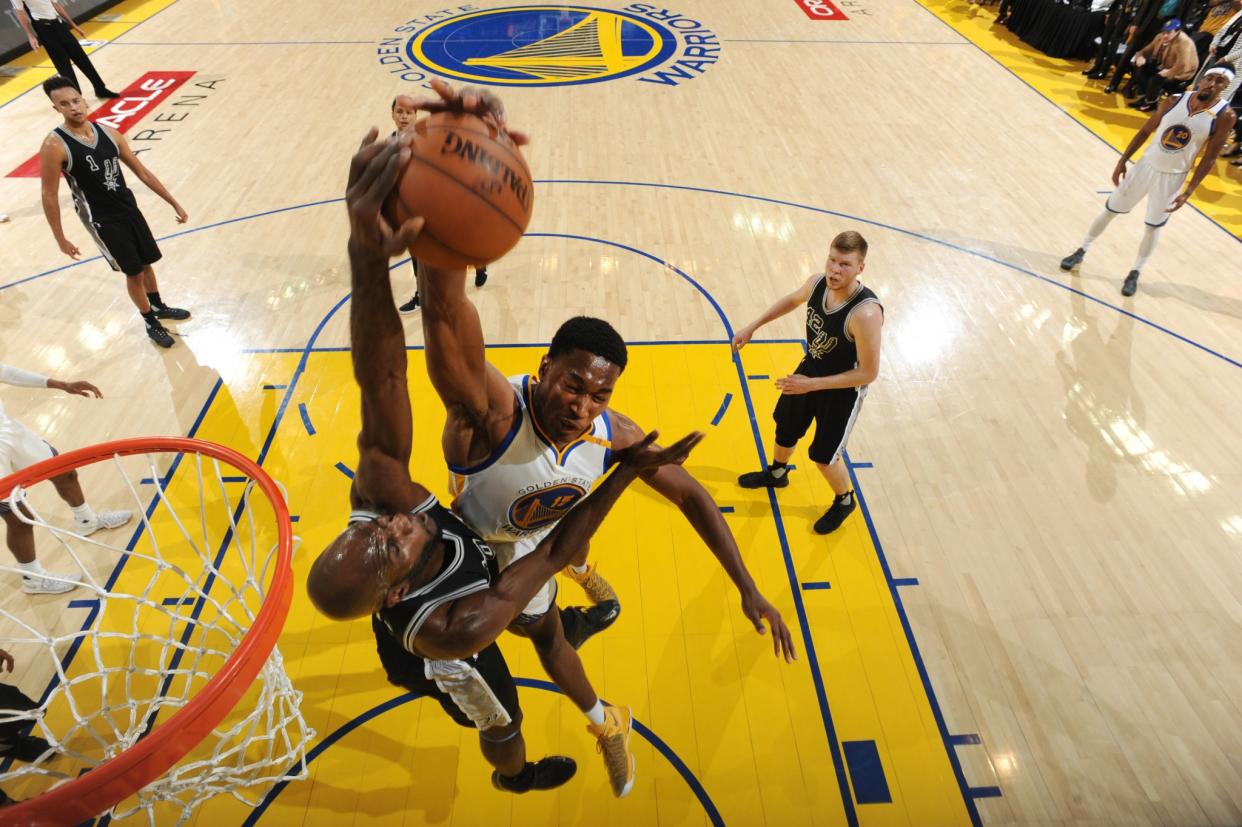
(468, 189)
(458, 127)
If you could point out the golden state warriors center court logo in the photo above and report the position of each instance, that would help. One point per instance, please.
(546, 45)
(1175, 137)
(545, 506)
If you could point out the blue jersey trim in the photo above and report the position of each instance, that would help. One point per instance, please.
(607, 430)
(495, 455)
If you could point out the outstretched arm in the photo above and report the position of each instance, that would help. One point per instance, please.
(785, 304)
(676, 485)
(377, 339)
(10, 375)
(473, 622)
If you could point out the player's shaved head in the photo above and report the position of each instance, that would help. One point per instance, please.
(402, 100)
(347, 579)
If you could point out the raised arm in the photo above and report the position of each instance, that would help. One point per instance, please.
(144, 175)
(10, 375)
(473, 622)
(785, 304)
(377, 339)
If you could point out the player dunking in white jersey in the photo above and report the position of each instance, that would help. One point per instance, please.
(1184, 123)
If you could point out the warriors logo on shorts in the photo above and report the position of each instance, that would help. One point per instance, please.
(1175, 137)
(544, 507)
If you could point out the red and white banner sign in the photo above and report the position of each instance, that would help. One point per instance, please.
(134, 104)
(821, 10)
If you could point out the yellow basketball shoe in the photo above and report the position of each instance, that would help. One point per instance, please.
(597, 588)
(613, 741)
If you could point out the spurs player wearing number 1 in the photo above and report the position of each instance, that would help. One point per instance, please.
(90, 157)
(1184, 123)
(436, 598)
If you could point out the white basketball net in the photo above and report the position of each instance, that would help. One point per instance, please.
(163, 602)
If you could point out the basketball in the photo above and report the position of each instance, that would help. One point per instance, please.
(470, 182)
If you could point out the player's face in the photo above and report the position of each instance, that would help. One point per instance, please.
(842, 268)
(403, 113)
(407, 540)
(574, 388)
(69, 103)
(1211, 86)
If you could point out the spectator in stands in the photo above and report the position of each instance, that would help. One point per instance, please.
(1165, 65)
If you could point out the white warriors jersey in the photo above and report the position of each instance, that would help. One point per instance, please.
(527, 485)
(1180, 135)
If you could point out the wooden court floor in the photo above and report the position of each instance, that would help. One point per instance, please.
(1034, 619)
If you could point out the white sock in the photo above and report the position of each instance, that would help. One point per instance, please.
(1097, 226)
(1147, 246)
(32, 568)
(596, 713)
(580, 569)
(82, 513)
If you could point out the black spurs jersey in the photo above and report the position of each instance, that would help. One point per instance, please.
(829, 347)
(469, 567)
(93, 171)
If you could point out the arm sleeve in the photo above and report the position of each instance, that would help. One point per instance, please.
(22, 378)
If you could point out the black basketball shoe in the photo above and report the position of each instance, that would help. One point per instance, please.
(176, 314)
(547, 774)
(159, 334)
(1073, 259)
(581, 623)
(410, 306)
(480, 277)
(842, 507)
(764, 479)
(1130, 286)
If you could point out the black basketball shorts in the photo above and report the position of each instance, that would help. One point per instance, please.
(834, 413)
(476, 692)
(127, 244)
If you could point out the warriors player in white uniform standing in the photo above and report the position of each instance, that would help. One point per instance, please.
(1184, 123)
(19, 448)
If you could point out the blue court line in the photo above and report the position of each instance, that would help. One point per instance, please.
(234, 479)
(816, 585)
(274, 387)
(709, 808)
(904, 581)
(985, 792)
(306, 422)
(344, 469)
(928, 690)
(764, 199)
(177, 601)
(726, 509)
(757, 376)
(258, 43)
(293, 518)
(965, 739)
(867, 772)
(84, 603)
(862, 465)
(102, 47)
(724, 406)
(1059, 108)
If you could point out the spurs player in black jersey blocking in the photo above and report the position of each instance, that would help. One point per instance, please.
(844, 320)
(430, 584)
(404, 113)
(1186, 123)
(90, 157)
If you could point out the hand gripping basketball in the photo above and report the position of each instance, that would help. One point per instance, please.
(372, 174)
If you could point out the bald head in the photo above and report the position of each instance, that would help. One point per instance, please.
(348, 579)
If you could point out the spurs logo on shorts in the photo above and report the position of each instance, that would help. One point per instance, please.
(542, 508)
(1175, 137)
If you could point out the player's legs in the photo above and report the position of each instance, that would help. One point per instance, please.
(86, 521)
(19, 537)
(78, 55)
(1133, 188)
(793, 415)
(50, 38)
(834, 420)
(1164, 188)
(504, 748)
